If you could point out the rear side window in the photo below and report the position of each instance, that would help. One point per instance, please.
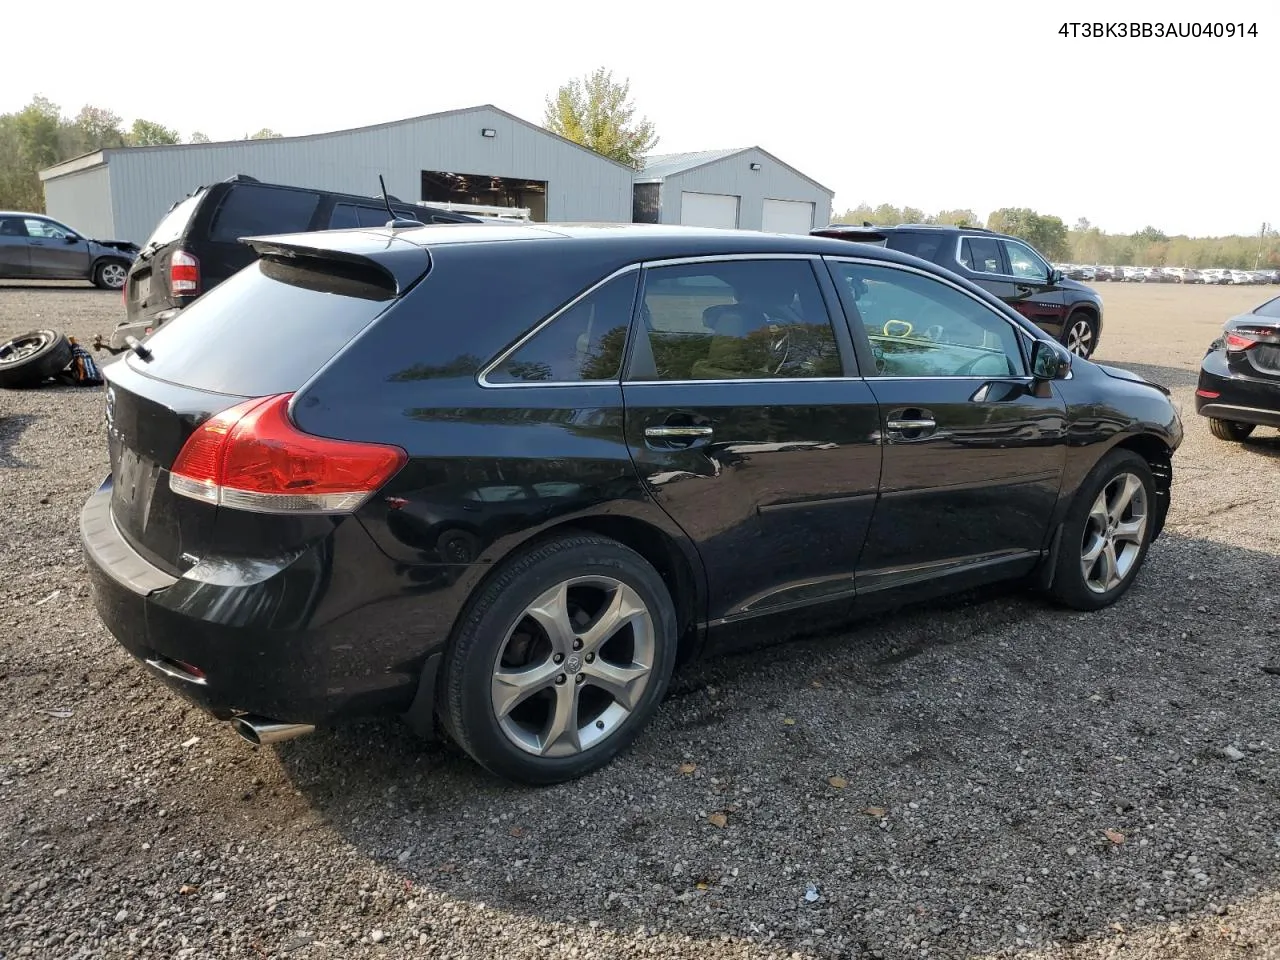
(265, 330)
(981, 255)
(584, 343)
(173, 223)
(250, 210)
(343, 217)
(922, 245)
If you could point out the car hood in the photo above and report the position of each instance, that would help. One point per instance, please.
(122, 246)
(1118, 373)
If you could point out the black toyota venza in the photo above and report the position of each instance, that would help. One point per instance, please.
(509, 477)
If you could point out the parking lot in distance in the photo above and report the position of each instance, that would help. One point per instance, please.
(988, 776)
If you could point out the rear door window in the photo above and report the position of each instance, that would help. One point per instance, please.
(981, 255)
(252, 210)
(265, 330)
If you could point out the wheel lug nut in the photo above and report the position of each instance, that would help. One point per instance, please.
(591, 658)
(577, 644)
(599, 724)
(558, 657)
(560, 679)
(579, 678)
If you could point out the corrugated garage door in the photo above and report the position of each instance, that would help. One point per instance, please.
(787, 216)
(708, 209)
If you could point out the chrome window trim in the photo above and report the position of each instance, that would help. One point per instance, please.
(1000, 239)
(483, 377)
(1017, 328)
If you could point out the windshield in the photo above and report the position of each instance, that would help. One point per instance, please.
(175, 221)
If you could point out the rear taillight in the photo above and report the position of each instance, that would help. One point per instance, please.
(252, 457)
(184, 274)
(1235, 341)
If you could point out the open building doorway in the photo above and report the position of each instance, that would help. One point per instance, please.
(440, 187)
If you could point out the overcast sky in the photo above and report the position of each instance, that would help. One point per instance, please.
(960, 105)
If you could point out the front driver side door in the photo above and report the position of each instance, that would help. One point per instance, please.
(1035, 295)
(973, 447)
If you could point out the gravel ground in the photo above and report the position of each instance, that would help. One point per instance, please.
(989, 777)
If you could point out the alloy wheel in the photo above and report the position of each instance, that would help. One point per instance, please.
(1080, 338)
(1114, 533)
(573, 667)
(22, 347)
(113, 275)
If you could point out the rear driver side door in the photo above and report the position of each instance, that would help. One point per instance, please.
(750, 427)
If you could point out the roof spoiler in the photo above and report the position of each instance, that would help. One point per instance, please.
(371, 258)
(847, 231)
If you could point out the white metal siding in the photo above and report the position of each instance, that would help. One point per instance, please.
(787, 216)
(82, 201)
(733, 175)
(580, 185)
(708, 209)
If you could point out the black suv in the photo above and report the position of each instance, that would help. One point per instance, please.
(509, 477)
(1007, 266)
(197, 244)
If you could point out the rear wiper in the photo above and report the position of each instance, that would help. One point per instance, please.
(136, 346)
(147, 252)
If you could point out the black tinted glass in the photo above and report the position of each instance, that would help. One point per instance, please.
(583, 343)
(374, 216)
(981, 255)
(736, 320)
(343, 217)
(922, 245)
(266, 330)
(250, 210)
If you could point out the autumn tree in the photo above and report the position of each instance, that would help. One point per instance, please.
(1048, 234)
(596, 111)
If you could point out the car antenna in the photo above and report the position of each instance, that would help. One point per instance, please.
(396, 222)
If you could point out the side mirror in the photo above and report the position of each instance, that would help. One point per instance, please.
(71, 238)
(1049, 361)
(1056, 276)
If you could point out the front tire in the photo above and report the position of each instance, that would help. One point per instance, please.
(31, 358)
(1230, 430)
(1106, 533)
(1080, 335)
(110, 275)
(560, 660)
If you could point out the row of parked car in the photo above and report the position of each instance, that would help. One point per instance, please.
(1222, 276)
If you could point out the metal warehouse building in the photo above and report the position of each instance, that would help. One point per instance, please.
(479, 155)
(747, 188)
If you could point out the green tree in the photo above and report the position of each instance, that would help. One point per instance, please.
(1048, 234)
(30, 140)
(147, 133)
(199, 137)
(596, 111)
(266, 133)
(1150, 235)
(95, 128)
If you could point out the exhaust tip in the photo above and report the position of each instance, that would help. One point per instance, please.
(261, 730)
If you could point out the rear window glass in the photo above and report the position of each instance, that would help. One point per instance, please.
(249, 210)
(1269, 309)
(265, 330)
(175, 221)
(922, 245)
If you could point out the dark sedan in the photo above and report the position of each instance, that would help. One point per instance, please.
(1239, 388)
(36, 247)
(508, 478)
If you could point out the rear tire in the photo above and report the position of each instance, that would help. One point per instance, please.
(1106, 533)
(110, 274)
(1230, 430)
(33, 357)
(559, 661)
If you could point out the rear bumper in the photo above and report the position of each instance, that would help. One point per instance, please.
(1237, 398)
(315, 637)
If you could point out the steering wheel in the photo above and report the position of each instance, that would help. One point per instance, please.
(901, 323)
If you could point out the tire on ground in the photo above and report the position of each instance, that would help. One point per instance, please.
(464, 693)
(1230, 430)
(46, 361)
(1069, 586)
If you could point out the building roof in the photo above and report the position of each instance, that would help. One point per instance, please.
(659, 167)
(97, 157)
(663, 165)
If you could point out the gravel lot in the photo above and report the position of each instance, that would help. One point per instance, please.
(939, 783)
